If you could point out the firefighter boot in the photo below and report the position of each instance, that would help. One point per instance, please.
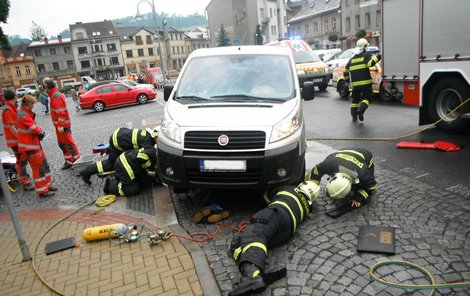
(251, 283)
(274, 273)
(354, 113)
(361, 110)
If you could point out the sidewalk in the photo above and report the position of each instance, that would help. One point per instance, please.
(172, 267)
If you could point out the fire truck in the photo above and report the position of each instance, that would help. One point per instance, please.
(426, 58)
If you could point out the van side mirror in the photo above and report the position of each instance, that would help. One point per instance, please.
(167, 89)
(308, 90)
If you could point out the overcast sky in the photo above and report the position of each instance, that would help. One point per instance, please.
(56, 15)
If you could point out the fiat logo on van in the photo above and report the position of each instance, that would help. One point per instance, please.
(223, 140)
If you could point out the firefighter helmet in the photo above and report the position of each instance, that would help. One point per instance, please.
(338, 186)
(310, 190)
(362, 44)
(153, 131)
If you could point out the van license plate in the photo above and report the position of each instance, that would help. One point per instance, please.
(222, 165)
(318, 80)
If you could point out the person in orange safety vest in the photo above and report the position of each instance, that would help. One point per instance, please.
(29, 136)
(9, 119)
(62, 123)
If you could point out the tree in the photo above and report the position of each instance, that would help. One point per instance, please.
(4, 11)
(222, 38)
(258, 35)
(37, 32)
(360, 33)
(333, 36)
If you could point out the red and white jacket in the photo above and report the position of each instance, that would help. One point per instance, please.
(28, 131)
(59, 113)
(9, 118)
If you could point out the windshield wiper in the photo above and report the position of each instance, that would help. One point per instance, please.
(191, 98)
(244, 97)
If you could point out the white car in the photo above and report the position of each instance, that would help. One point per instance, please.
(20, 92)
(138, 85)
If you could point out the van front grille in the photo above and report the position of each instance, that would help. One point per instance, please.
(237, 140)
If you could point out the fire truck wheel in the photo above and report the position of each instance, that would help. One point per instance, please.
(446, 95)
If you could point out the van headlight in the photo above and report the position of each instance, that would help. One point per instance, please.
(170, 129)
(286, 127)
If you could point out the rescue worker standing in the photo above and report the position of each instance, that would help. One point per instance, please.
(62, 123)
(361, 80)
(134, 168)
(351, 172)
(269, 228)
(121, 140)
(29, 136)
(9, 120)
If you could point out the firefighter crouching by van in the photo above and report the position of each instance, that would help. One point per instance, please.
(122, 140)
(361, 80)
(134, 168)
(351, 176)
(29, 136)
(269, 228)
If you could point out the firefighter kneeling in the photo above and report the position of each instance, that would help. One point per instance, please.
(134, 168)
(269, 228)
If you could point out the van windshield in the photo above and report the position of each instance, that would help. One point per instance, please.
(233, 78)
(301, 57)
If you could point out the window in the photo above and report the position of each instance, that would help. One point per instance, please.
(129, 53)
(151, 52)
(326, 25)
(378, 18)
(348, 24)
(85, 64)
(307, 30)
(97, 47)
(69, 64)
(55, 66)
(114, 61)
(270, 12)
(357, 20)
(66, 49)
(104, 90)
(18, 71)
(99, 62)
(82, 50)
(138, 40)
(52, 51)
(347, 2)
(367, 20)
(333, 23)
(315, 27)
(111, 46)
(120, 88)
(37, 52)
(140, 52)
(79, 35)
(41, 68)
(261, 13)
(27, 69)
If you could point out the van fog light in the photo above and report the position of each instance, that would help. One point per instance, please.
(169, 171)
(281, 172)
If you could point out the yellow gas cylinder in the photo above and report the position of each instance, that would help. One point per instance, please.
(104, 232)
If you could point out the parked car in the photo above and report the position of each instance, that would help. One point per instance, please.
(333, 56)
(20, 92)
(114, 94)
(93, 85)
(326, 54)
(138, 85)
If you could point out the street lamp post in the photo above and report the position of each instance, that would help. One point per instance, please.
(159, 49)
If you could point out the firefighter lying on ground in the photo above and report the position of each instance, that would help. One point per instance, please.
(351, 174)
(122, 139)
(134, 168)
(269, 228)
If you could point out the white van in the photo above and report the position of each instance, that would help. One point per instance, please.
(233, 120)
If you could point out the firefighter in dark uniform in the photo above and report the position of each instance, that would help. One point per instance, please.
(361, 80)
(269, 228)
(351, 172)
(122, 139)
(134, 168)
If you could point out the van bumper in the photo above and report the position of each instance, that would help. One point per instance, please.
(317, 78)
(261, 168)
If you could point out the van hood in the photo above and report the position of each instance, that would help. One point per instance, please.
(227, 114)
(311, 68)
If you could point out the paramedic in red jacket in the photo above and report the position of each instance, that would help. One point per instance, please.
(9, 119)
(29, 136)
(62, 123)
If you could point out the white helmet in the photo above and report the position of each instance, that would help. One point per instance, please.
(362, 44)
(153, 131)
(338, 186)
(309, 189)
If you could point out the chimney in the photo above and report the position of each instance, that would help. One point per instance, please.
(46, 41)
(60, 38)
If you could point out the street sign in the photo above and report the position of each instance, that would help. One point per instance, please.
(236, 42)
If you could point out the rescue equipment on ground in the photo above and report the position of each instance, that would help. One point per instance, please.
(101, 149)
(438, 145)
(104, 232)
(9, 166)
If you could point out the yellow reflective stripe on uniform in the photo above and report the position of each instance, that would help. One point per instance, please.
(236, 253)
(290, 211)
(256, 273)
(357, 60)
(371, 162)
(121, 193)
(366, 102)
(256, 245)
(126, 165)
(296, 200)
(355, 152)
(354, 105)
(115, 140)
(373, 188)
(358, 67)
(363, 193)
(362, 82)
(145, 157)
(99, 167)
(143, 133)
(266, 198)
(374, 59)
(135, 134)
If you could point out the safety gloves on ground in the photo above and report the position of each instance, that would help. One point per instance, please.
(211, 214)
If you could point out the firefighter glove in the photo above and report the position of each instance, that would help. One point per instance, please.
(379, 57)
(42, 134)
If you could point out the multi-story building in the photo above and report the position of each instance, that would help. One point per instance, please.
(54, 58)
(361, 14)
(17, 68)
(97, 49)
(197, 38)
(177, 51)
(317, 22)
(240, 18)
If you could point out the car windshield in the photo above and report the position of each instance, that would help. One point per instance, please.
(301, 57)
(346, 55)
(237, 78)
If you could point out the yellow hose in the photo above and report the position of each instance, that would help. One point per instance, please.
(105, 200)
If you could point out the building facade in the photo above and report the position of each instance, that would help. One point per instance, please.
(17, 68)
(240, 18)
(361, 14)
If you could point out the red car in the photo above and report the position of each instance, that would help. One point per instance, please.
(114, 94)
